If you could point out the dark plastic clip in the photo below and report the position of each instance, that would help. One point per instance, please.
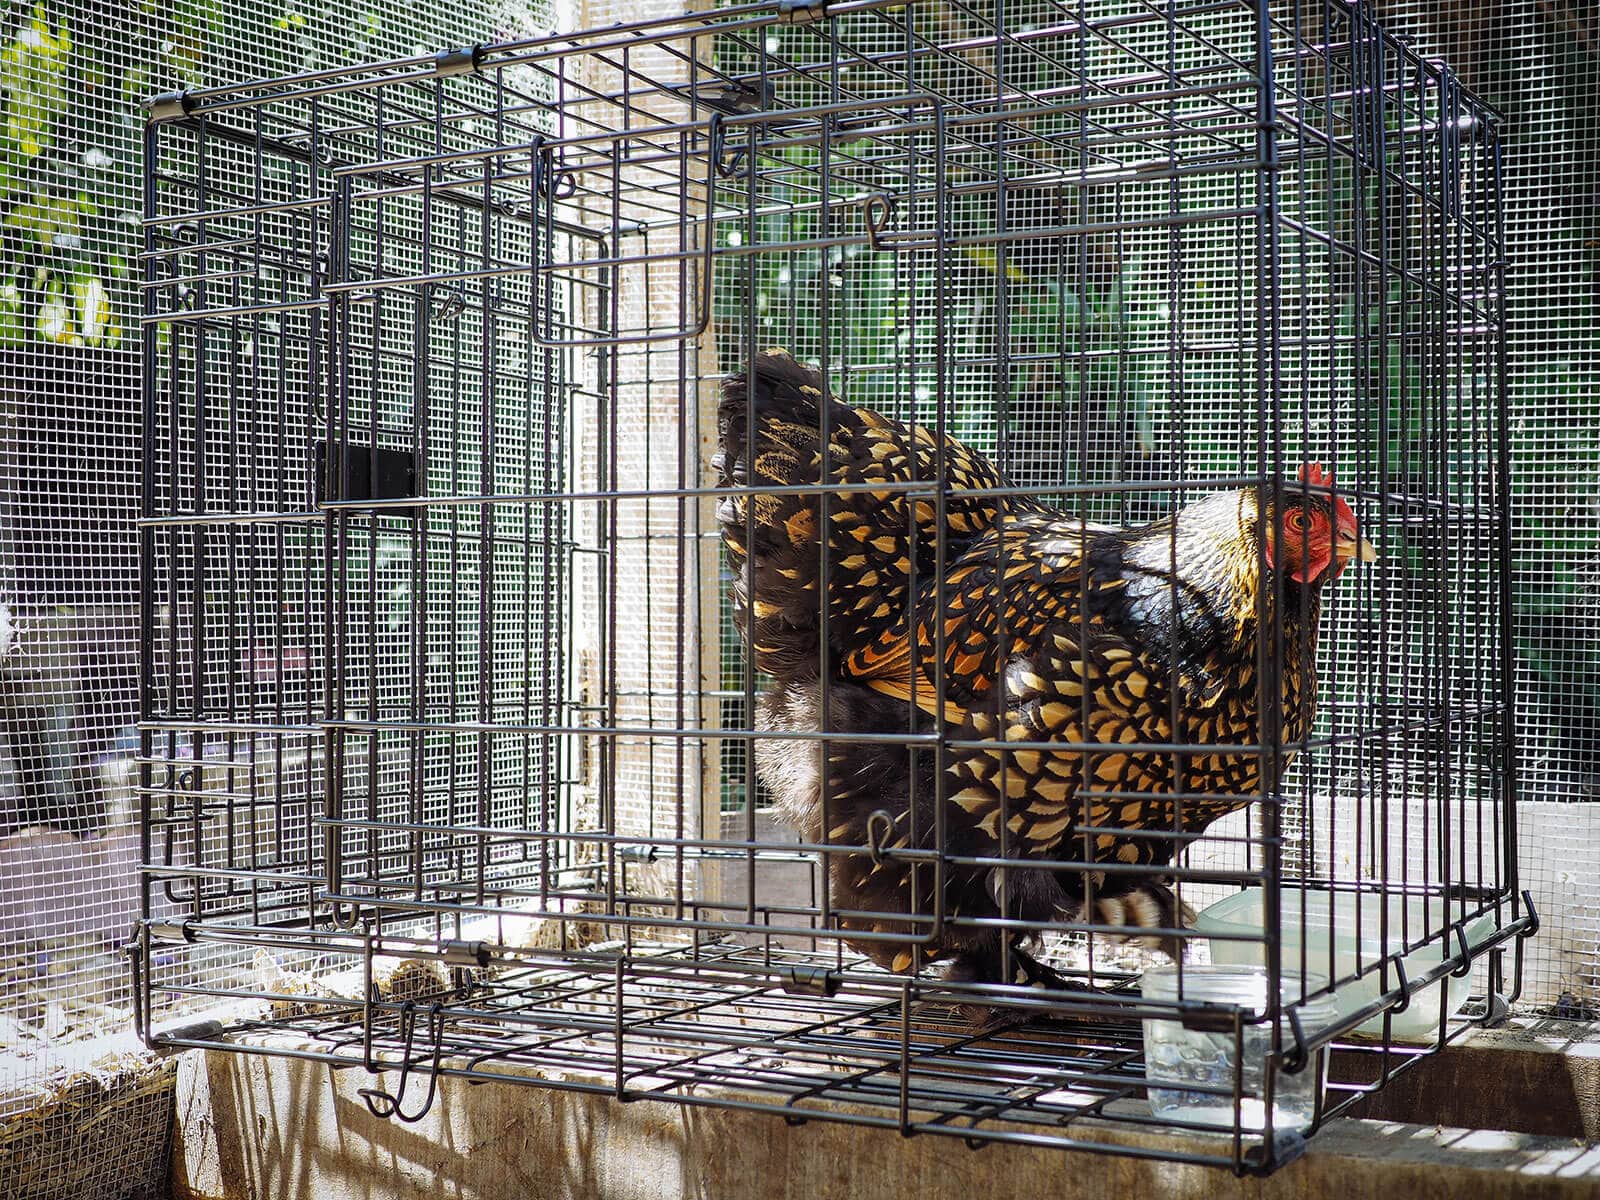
(799, 12)
(461, 61)
(169, 106)
(466, 954)
(171, 931)
(808, 981)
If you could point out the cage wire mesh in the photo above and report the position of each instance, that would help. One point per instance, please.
(448, 724)
(73, 1121)
(1540, 65)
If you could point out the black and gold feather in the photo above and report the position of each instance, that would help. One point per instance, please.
(1063, 663)
(879, 540)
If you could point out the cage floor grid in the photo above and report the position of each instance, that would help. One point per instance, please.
(709, 1030)
(684, 1028)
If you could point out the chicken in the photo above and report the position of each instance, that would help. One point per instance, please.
(1049, 665)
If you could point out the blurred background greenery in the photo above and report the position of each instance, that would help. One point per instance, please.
(72, 76)
(1086, 378)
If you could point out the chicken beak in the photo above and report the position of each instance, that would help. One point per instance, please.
(1358, 548)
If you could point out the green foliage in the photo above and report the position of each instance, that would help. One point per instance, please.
(893, 316)
(72, 79)
(52, 286)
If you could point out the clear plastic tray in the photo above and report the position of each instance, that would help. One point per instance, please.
(1408, 919)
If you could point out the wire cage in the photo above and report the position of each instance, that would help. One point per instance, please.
(487, 622)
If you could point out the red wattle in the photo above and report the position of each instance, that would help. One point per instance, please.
(1312, 570)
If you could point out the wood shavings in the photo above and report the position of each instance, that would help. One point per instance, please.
(394, 978)
(274, 977)
(403, 979)
(58, 1147)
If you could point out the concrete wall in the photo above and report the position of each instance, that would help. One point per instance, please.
(660, 415)
(255, 1128)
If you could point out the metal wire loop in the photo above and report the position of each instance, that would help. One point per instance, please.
(878, 209)
(551, 178)
(1532, 918)
(722, 162)
(1298, 1058)
(1403, 987)
(879, 825)
(448, 303)
(385, 1105)
(1464, 968)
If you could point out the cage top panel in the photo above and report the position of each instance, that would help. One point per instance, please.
(1160, 63)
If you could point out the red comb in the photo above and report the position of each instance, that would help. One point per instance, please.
(1319, 476)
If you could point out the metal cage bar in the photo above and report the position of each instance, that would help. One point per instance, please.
(450, 731)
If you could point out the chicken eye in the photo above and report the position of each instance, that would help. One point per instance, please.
(1296, 519)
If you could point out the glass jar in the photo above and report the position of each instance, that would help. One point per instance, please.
(1175, 1056)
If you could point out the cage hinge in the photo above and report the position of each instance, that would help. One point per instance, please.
(466, 954)
(169, 106)
(798, 12)
(734, 98)
(357, 472)
(461, 61)
(808, 981)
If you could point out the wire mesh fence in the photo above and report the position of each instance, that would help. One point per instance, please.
(1540, 64)
(435, 352)
(74, 76)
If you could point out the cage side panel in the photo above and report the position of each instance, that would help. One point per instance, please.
(1541, 69)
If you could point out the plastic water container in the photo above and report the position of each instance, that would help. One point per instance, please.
(1241, 913)
(1175, 1056)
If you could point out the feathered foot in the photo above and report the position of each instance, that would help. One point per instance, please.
(1150, 904)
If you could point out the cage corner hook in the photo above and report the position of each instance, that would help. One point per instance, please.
(386, 1105)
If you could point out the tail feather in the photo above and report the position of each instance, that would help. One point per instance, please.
(879, 541)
